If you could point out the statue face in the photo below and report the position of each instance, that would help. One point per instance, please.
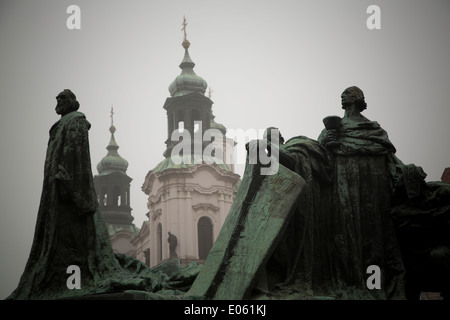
(353, 96)
(348, 96)
(64, 103)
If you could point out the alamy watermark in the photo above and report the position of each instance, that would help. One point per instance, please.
(210, 145)
(73, 22)
(374, 20)
(373, 281)
(73, 281)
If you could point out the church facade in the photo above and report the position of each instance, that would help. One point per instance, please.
(190, 192)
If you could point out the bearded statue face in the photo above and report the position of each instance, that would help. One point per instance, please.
(66, 102)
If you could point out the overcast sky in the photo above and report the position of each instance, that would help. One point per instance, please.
(269, 63)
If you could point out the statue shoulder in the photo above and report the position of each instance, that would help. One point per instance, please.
(76, 115)
(76, 119)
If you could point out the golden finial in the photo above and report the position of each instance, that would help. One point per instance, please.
(185, 43)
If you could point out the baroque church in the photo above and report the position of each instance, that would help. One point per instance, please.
(189, 195)
(190, 192)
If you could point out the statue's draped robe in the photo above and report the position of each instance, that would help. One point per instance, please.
(363, 233)
(342, 224)
(303, 253)
(70, 229)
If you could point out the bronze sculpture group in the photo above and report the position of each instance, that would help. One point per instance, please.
(359, 206)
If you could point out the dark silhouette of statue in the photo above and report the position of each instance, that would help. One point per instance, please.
(173, 242)
(347, 218)
(342, 223)
(360, 208)
(70, 229)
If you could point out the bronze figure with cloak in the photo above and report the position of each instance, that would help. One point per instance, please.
(355, 211)
(70, 230)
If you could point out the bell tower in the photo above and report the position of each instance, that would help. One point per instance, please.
(112, 185)
(188, 200)
(188, 109)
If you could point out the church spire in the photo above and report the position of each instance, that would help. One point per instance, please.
(187, 82)
(186, 42)
(112, 120)
(112, 185)
(112, 161)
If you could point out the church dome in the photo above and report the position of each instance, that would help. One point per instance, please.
(177, 162)
(187, 82)
(112, 162)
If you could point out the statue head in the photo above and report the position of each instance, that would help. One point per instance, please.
(66, 102)
(353, 96)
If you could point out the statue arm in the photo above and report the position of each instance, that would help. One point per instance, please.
(328, 138)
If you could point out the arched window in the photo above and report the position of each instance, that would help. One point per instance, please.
(195, 116)
(159, 242)
(180, 120)
(116, 196)
(103, 198)
(205, 237)
(181, 126)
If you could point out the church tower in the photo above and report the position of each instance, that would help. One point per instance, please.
(190, 192)
(112, 185)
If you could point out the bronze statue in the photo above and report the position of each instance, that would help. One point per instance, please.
(356, 211)
(342, 223)
(338, 206)
(362, 207)
(70, 230)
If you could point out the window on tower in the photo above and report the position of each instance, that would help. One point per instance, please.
(117, 196)
(181, 126)
(195, 117)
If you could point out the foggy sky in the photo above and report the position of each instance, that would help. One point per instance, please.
(269, 63)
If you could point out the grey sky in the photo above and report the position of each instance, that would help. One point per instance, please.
(269, 63)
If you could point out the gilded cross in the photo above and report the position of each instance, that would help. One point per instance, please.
(112, 116)
(184, 27)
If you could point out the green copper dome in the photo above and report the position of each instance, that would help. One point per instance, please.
(112, 162)
(187, 82)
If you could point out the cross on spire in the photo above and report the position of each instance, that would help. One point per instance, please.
(112, 129)
(112, 116)
(184, 24)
